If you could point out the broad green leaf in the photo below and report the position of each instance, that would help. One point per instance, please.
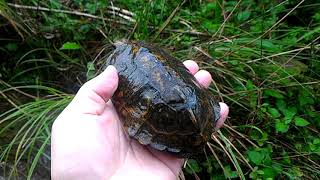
(273, 93)
(70, 46)
(210, 26)
(298, 121)
(255, 157)
(261, 172)
(281, 126)
(250, 85)
(281, 105)
(244, 15)
(289, 114)
(269, 173)
(312, 147)
(316, 141)
(274, 112)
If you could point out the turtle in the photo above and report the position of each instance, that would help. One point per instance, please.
(160, 102)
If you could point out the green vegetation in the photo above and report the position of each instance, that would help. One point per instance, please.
(264, 57)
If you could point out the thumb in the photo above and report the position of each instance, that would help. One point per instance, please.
(94, 94)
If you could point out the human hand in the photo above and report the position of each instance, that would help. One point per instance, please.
(88, 141)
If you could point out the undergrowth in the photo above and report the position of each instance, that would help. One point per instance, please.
(264, 57)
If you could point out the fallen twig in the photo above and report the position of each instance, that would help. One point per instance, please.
(78, 13)
(164, 25)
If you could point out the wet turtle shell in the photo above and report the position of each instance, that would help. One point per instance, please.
(161, 103)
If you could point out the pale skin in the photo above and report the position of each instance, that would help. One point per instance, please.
(88, 141)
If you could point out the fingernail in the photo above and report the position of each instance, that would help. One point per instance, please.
(224, 111)
(110, 68)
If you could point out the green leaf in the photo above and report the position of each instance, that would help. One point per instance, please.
(212, 11)
(267, 44)
(234, 62)
(208, 164)
(269, 173)
(250, 85)
(274, 112)
(305, 98)
(12, 46)
(316, 17)
(254, 174)
(263, 139)
(229, 173)
(285, 158)
(273, 93)
(210, 26)
(255, 157)
(91, 7)
(244, 15)
(316, 141)
(84, 28)
(312, 147)
(289, 114)
(70, 46)
(281, 126)
(193, 166)
(90, 70)
(298, 121)
(281, 105)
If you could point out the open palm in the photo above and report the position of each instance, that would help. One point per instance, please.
(88, 141)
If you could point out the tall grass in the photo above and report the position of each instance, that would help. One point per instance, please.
(28, 127)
